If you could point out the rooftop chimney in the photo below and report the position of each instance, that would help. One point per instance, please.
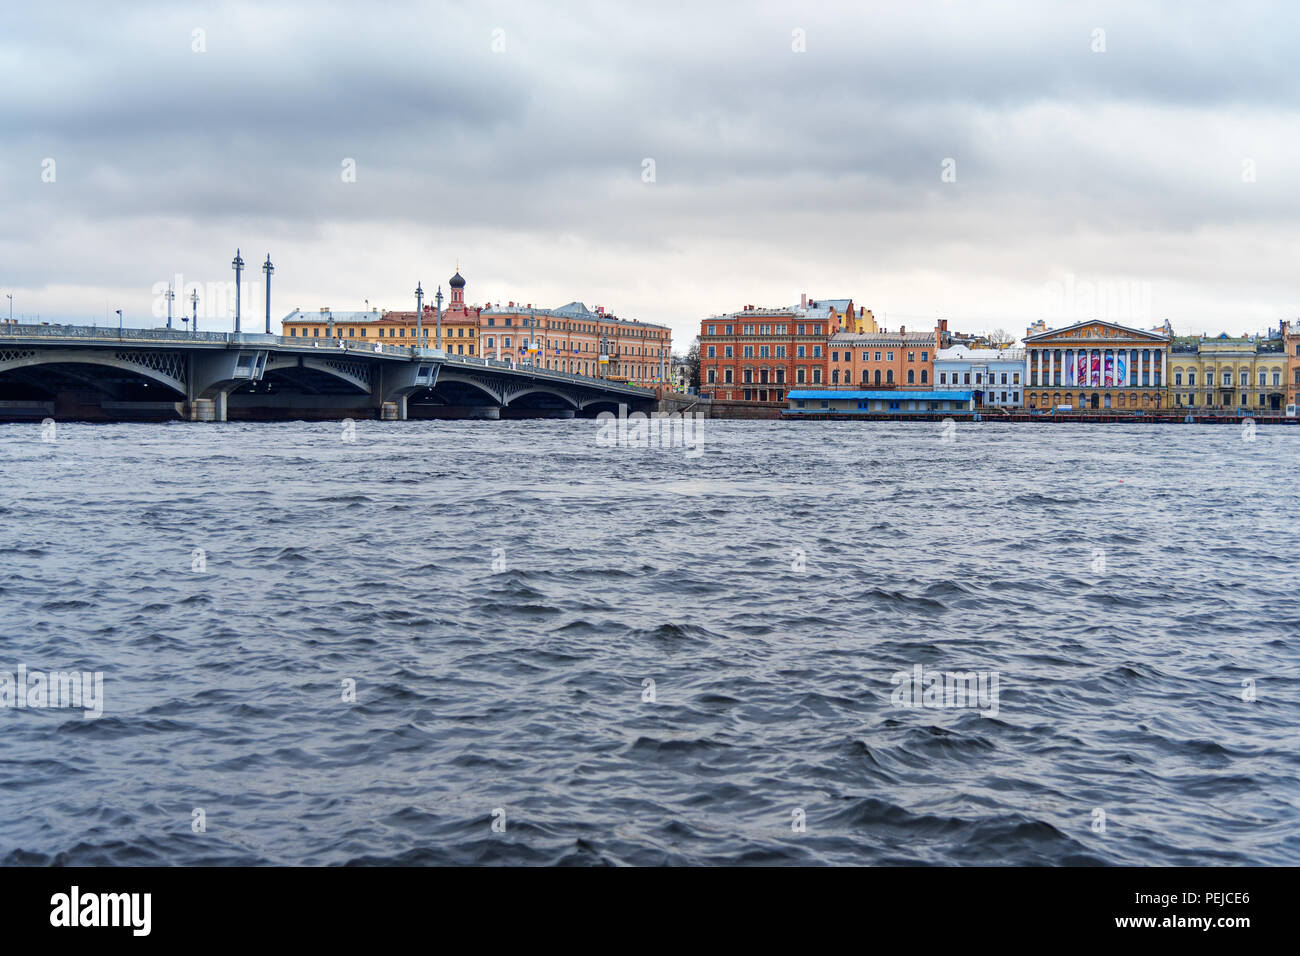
(803, 300)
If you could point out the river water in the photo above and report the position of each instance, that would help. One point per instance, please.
(562, 652)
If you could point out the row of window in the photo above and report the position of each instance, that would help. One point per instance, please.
(979, 378)
(889, 356)
(868, 377)
(1227, 378)
(801, 376)
(802, 329)
(1209, 400)
(764, 351)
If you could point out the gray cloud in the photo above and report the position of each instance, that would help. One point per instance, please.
(777, 171)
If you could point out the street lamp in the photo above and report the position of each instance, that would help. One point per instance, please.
(170, 295)
(268, 269)
(11, 307)
(419, 315)
(237, 264)
(194, 301)
(119, 321)
(439, 298)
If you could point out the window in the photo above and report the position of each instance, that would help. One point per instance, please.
(1191, 377)
(801, 330)
(891, 356)
(1245, 379)
(817, 376)
(877, 356)
(729, 328)
(889, 377)
(726, 376)
(817, 351)
(925, 376)
(943, 378)
(799, 375)
(490, 341)
(1262, 377)
(911, 356)
(925, 356)
(713, 351)
(726, 352)
(780, 351)
(749, 351)
(835, 356)
(764, 351)
(911, 376)
(1015, 378)
(1227, 379)
(713, 330)
(967, 378)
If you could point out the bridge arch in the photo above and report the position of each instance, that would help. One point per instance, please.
(524, 391)
(163, 367)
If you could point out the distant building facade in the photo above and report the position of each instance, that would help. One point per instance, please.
(757, 355)
(1223, 373)
(1096, 366)
(995, 377)
(882, 359)
(571, 338)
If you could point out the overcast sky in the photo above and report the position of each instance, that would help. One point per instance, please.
(1147, 171)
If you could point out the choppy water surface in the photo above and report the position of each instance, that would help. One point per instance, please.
(501, 592)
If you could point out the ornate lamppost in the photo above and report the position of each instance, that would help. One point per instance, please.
(238, 265)
(419, 315)
(268, 269)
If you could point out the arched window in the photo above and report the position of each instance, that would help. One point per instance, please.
(864, 376)
(877, 376)
(911, 377)
(889, 377)
(835, 376)
(925, 376)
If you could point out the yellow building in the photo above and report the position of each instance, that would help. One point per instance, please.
(1228, 374)
(459, 331)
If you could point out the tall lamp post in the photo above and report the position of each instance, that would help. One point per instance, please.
(194, 301)
(268, 269)
(170, 295)
(419, 315)
(119, 321)
(237, 264)
(11, 307)
(438, 297)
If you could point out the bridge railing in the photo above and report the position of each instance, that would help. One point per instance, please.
(108, 333)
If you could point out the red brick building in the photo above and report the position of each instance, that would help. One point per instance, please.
(756, 355)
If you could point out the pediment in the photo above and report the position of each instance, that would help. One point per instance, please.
(1096, 331)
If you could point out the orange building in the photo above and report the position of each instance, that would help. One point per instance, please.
(884, 359)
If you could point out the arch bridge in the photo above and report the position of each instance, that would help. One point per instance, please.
(66, 371)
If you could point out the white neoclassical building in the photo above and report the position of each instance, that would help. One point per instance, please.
(994, 376)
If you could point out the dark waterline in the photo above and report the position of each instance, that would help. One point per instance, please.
(1122, 581)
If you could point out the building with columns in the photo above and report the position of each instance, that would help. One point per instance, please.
(1096, 366)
